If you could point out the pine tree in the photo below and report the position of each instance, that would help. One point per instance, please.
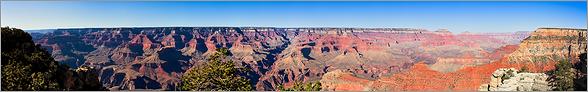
(563, 76)
(216, 74)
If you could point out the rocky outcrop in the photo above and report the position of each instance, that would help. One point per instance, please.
(511, 79)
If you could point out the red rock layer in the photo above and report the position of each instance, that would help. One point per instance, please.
(155, 58)
(422, 78)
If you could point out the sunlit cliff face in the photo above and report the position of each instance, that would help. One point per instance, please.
(155, 58)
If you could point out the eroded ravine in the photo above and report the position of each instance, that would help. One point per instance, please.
(155, 58)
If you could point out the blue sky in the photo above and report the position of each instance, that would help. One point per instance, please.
(455, 16)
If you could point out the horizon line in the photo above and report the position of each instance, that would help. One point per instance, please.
(289, 27)
(254, 27)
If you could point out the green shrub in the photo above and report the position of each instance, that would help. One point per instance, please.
(216, 74)
(524, 69)
(563, 76)
(508, 74)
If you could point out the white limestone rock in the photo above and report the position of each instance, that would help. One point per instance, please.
(509, 79)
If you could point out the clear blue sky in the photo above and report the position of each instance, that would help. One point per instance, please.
(455, 16)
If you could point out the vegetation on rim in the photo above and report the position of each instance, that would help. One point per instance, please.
(568, 76)
(216, 74)
(26, 66)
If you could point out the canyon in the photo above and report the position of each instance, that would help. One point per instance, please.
(155, 58)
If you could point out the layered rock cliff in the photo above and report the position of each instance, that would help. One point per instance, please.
(155, 58)
(549, 43)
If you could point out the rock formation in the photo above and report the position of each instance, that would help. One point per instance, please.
(421, 77)
(549, 43)
(377, 58)
(510, 79)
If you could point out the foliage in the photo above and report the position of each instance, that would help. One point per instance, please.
(580, 80)
(26, 66)
(216, 74)
(508, 74)
(311, 86)
(524, 69)
(87, 79)
(563, 76)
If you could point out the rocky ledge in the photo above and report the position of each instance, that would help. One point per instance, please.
(510, 79)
